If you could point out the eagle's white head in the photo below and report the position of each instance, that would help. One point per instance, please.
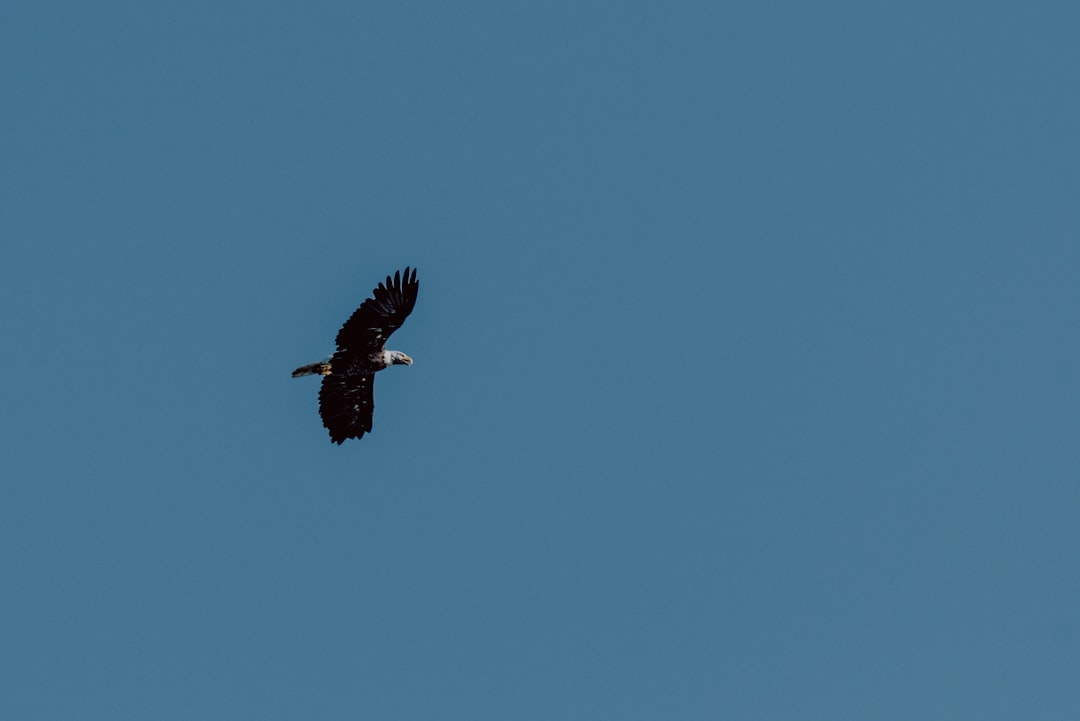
(396, 358)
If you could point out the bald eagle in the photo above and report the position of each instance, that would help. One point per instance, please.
(346, 401)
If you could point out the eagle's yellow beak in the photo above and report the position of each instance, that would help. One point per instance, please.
(406, 359)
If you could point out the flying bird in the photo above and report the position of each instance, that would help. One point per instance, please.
(346, 401)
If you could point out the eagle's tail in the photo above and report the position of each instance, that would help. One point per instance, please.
(322, 368)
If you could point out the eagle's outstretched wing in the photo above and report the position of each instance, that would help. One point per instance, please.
(368, 328)
(346, 403)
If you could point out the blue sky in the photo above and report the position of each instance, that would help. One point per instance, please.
(746, 351)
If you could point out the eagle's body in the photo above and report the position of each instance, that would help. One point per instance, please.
(346, 401)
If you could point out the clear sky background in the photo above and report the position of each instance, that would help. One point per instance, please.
(747, 361)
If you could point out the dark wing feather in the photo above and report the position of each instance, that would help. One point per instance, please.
(346, 403)
(377, 317)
